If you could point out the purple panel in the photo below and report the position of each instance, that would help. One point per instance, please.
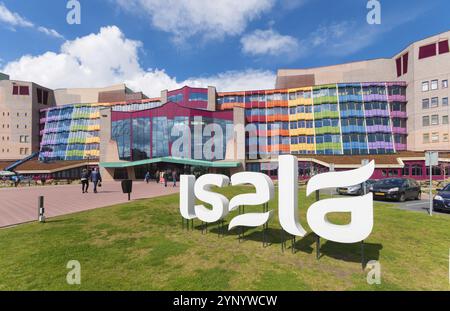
(399, 130)
(398, 114)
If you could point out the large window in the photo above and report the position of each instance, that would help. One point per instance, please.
(427, 51)
(198, 96)
(121, 133)
(425, 103)
(425, 121)
(141, 139)
(445, 119)
(445, 102)
(426, 138)
(21, 90)
(443, 47)
(160, 137)
(444, 84)
(425, 86)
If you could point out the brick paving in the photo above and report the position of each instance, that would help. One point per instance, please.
(19, 205)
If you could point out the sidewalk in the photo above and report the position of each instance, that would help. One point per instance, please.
(20, 205)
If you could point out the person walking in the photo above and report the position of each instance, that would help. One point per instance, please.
(147, 177)
(161, 177)
(174, 177)
(157, 176)
(84, 180)
(96, 179)
(166, 177)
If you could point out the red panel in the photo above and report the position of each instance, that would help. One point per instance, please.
(427, 51)
(405, 63)
(399, 66)
(443, 47)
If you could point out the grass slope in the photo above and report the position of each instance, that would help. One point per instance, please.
(141, 246)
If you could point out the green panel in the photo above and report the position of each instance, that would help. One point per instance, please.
(332, 146)
(326, 115)
(325, 100)
(328, 130)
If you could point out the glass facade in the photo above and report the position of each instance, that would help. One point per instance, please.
(152, 133)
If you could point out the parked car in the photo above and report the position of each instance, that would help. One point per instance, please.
(441, 200)
(356, 189)
(399, 189)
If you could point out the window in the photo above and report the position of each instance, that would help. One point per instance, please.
(445, 102)
(434, 137)
(405, 63)
(427, 51)
(434, 84)
(435, 119)
(445, 119)
(23, 139)
(426, 138)
(15, 90)
(398, 63)
(443, 47)
(445, 137)
(416, 170)
(405, 171)
(444, 84)
(425, 103)
(426, 121)
(24, 90)
(434, 102)
(39, 95)
(425, 86)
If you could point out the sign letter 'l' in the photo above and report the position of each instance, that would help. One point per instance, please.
(288, 195)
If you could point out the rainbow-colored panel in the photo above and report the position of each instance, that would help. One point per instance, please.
(350, 118)
(72, 132)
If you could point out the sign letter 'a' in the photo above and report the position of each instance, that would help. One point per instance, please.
(360, 208)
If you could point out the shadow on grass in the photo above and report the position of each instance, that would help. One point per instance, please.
(340, 251)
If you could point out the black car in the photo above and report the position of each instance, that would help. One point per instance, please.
(441, 200)
(399, 189)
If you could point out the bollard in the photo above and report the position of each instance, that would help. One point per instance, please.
(41, 209)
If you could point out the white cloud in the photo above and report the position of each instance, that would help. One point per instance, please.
(50, 32)
(15, 20)
(269, 42)
(209, 19)
(108, 57)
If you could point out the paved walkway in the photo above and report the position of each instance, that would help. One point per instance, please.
(19, 205)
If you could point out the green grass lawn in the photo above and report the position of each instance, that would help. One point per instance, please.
(141, 246)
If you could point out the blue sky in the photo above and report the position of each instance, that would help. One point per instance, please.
(151, 44)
